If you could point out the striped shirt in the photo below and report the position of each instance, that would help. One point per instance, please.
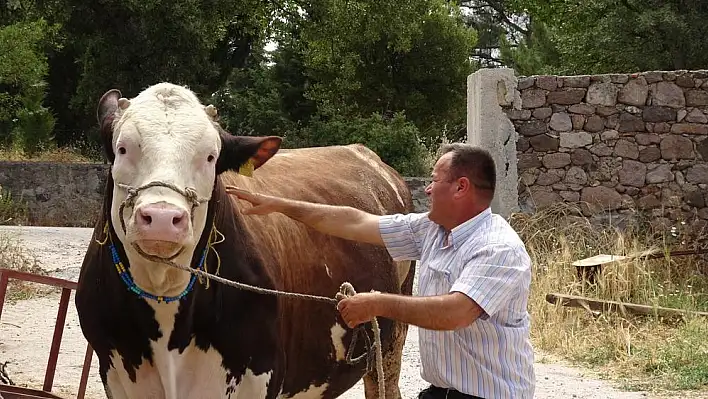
(486, 260)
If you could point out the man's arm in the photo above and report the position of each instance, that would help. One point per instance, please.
(442, 312)
(341, 221)
(488, 281)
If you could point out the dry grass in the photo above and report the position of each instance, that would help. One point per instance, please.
(642, 352)
(14, 256)
(12, 211)
(52, 154)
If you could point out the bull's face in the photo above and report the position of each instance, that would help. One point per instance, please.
(166, 150)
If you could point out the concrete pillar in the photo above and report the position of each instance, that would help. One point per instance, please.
(489, 127)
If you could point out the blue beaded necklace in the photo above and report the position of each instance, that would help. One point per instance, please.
(128, 279)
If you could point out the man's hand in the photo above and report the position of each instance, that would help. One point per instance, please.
(262, 204)
(359, 308)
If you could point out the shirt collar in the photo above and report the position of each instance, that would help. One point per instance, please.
(461, 233)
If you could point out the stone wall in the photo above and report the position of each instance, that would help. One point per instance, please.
(621, 143)
(61, 194)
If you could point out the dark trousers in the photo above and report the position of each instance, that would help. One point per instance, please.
(433, 392)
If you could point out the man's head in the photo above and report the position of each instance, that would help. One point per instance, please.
(464, 181)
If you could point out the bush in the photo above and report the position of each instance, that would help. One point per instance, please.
(395, 139)
(35, 123)
(24, 121)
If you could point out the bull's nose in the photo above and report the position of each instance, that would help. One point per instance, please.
(161, 221)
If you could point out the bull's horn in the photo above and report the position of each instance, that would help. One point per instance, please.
(211, 110)
(123, 103)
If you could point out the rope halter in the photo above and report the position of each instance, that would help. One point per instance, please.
(189, 193)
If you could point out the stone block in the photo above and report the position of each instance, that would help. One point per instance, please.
(544, 143)
(533, 98)
(689, 128)
(542, 113)
(600, 199)
(633, 173)
(668, 94)
(630, 123)
(532, 128)
(575, 81)
(561, 122)
(594, 123)
(696, 98)
(602, 94)
(649, 154)
(660, 174)
(676, 147)
(582, 109)
(566, 96)
(659, 114)
(626, 149)
(634, 92)
(549, 83)
(575, 139)
(556, 160)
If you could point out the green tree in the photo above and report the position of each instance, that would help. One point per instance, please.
(130, 44)
(368, 56)
(601, 36)
(386, 74)
(23, 67)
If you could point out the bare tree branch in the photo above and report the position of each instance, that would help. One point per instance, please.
(487, 57)
(498, 7)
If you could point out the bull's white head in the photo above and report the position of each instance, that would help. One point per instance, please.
(166, 136)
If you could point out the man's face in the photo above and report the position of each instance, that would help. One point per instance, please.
(441, 191)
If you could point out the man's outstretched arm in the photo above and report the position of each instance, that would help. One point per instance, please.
(340, 221)
(442, 312)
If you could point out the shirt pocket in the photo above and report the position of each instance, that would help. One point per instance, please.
(443, 270)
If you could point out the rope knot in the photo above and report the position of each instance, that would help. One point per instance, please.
(132, 192)
(190, 194)
(346, 290)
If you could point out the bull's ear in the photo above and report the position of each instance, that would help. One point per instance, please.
(238, 150)
(107, 106)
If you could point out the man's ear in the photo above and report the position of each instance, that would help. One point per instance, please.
(464, 186)
(236, 151)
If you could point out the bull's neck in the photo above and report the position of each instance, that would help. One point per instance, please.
(155, 281)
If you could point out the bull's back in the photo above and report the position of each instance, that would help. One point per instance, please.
(306, 261)
(343, 175)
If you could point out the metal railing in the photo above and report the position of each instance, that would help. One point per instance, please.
(66, 287)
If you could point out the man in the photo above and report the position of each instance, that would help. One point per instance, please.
(474, 278)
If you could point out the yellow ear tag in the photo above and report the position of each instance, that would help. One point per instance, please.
(247, 168)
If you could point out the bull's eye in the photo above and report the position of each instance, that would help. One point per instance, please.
(121, 150)
(210, 158)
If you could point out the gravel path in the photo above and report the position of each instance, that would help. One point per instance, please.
(26, 331)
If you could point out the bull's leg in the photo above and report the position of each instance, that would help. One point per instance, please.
(254, 386)
(392, 359)
(114, 387)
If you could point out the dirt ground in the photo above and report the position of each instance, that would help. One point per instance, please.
(26, 329)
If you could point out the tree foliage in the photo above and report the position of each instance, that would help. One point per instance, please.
(386, 74)
(23, 69)
(600, 36)
(388, 56)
